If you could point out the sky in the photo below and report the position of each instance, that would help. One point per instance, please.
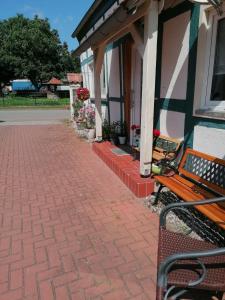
(63, 15)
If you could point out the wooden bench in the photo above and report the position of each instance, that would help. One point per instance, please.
(164, 147)
(200, 176)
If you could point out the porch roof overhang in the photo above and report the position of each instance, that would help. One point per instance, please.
(114, 26)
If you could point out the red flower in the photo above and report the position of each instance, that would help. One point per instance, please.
(156, 132)
(133, 127)
(83, 94)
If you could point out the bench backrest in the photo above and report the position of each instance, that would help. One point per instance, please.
(205, 169)
(165, 143)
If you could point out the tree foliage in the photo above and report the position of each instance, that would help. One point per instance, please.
(29, 48)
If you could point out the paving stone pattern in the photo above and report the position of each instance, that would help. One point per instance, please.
(70, 229)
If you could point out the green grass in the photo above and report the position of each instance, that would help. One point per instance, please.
(28, 102)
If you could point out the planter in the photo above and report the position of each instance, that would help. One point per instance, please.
(81, 132)
(91, 134)
(157, 169)
(122, 140)
(114, 140)
(74, 125)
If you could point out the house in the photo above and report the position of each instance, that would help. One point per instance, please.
(60, 88)
(160, 64)
(74, 78)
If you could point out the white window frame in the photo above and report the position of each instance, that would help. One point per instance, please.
(214, 18)
(208, 24)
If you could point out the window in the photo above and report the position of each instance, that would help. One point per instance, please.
(216, 83)
(210, 73)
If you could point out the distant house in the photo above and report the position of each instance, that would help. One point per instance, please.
(58, 88)
(74, 78)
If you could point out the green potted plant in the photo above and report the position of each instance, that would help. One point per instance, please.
(114, 133)
(122, 133)
(106, 130)
(77, 105)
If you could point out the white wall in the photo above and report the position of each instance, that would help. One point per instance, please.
(172, 124)
(113, 72)
(84, 70)
(90, 74)
(104, 112)
(114, 111)
(210, 141)
(113, 80)
(175, 49)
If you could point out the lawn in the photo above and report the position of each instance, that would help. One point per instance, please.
(30, 102)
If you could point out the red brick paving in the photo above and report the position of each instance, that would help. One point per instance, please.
(70, 229)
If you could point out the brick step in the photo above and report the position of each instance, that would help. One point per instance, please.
(126, 168)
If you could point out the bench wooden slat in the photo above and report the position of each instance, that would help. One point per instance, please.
(181, 189)
(160, 152)
(179, 186)
(158, 156)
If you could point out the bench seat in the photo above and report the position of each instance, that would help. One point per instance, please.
(188, 191)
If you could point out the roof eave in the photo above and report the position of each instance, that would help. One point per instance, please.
(86, 17)
(110, 27)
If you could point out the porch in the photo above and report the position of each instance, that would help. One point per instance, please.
(125, 167)
(138, 22)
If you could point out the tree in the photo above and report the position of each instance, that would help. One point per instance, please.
(29, 48)
(76, 63)
(70, 62)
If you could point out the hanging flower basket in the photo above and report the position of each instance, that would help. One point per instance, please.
(83, 94)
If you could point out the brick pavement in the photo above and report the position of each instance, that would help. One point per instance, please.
(70, 229)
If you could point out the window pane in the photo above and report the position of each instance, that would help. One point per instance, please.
(218, 82)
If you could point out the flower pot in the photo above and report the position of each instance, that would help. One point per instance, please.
(81, 132)
(74, 124)
(122, 140)
(91, 134)
(114, 140)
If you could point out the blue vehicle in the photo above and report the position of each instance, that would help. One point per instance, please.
(23, 85)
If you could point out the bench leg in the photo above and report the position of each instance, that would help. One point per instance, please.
(156, 200)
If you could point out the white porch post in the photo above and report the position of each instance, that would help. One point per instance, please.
(148, 87)
(72, 99)
(98, 61)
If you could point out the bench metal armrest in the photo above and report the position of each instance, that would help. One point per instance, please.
(182, 205)
(170, 260)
